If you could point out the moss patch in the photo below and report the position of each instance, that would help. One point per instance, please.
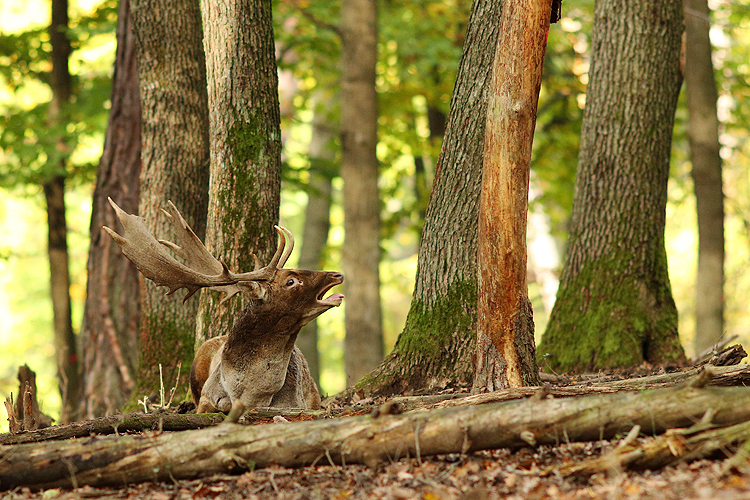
(170, 344)
(607, 317)
(436, 342)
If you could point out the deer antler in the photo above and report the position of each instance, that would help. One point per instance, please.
(202, 270)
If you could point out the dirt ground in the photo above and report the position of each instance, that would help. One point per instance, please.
(525, 475)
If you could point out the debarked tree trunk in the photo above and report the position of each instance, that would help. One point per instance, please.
(365, 439)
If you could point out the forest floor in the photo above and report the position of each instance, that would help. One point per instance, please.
(529, 473)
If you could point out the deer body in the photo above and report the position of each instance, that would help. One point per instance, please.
(257, 363)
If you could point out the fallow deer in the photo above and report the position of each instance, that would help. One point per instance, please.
(257, 363)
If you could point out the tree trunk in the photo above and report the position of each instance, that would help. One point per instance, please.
(363, 345)
(317, 224)
(504, 309)
(54, 194)
(703, 134)
(437, 345)
(245, 184)
(614, 307)
(365, 439)
(110, 320)
(175, 160)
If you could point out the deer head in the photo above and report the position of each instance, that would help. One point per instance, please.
(256, 364)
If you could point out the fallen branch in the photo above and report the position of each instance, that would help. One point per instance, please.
(135, 422)
(229, 447)
(675, 445)
(722, 376)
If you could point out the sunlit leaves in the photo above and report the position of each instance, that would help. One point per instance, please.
(32, 147)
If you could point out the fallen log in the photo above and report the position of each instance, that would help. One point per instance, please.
(114, 460)
(115, 424)
(722, 376)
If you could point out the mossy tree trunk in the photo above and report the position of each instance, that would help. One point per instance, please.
(703, 133)
(244, 192)
(614, 307)
(436, 347)
(504, 309)
(172, 80)
(109, 350)
(363, 345)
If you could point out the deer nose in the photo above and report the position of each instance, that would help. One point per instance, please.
(338, 276)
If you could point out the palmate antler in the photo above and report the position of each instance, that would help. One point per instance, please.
(201, 269)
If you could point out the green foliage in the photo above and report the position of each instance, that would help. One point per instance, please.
(32, 147)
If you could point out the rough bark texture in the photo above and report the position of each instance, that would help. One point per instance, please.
(504, 310)
(614, 306)
(243, 203)
(54, 194)
(175, 160)
(317, 225)
(437, 344)
(365, 439)
(703, 134)
(363, 346)
(108, 336)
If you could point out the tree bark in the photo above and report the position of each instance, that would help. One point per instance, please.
(54, 194)
(244, 193)
(175, 160)
(703, 135)
(437, 344)
(363, 345)
(614, 307)
(109, 350)
(317, 224)
(504, 309)
(364, 439)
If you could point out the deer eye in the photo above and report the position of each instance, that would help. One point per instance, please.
(291, 282)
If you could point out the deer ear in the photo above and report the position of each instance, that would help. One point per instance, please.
(252, 289)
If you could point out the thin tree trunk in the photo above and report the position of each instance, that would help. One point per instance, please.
(54, 194)
(317, 224)
(703, 134)
(245, 184)
(437, 345)
(614, 307)
(505, 314)
(175, 160)
(109, 348)
(363, 346)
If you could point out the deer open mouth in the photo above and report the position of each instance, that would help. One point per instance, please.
(333, 300)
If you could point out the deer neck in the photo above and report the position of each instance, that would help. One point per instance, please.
(259, 336)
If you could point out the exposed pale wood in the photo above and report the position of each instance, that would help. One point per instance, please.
(364, 439)
(504, 310)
